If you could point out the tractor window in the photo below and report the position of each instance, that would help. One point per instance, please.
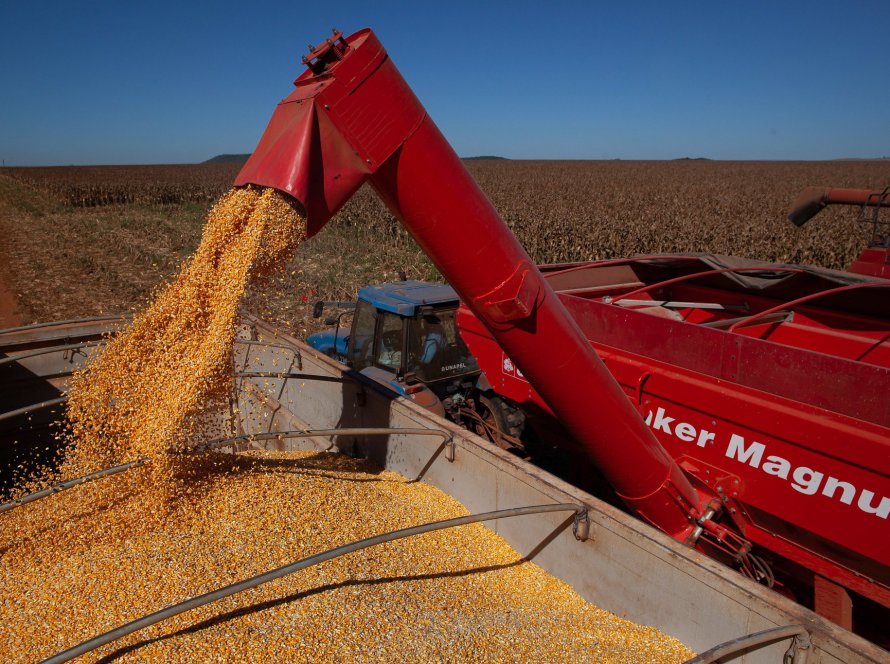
(361, 340)
(435, 350)
(389, 347)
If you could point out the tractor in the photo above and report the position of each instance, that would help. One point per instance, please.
(403, 335)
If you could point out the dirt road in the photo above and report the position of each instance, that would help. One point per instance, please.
(9, 312)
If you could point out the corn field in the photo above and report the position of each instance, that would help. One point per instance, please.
(122, 228)
(95, 186)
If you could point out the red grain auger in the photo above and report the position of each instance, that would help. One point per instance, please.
(742, 406)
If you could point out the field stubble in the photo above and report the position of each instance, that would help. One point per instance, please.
(89, 240)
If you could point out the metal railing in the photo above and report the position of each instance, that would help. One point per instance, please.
(224, 442)
(47, 351)
(796, 654)
(9, 414)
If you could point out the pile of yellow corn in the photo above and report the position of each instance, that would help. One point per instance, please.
(93, 558)
(73, 569)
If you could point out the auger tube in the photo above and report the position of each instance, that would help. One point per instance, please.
(813, 200)
(353, 119)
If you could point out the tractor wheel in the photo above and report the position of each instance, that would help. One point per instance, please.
(498, 418)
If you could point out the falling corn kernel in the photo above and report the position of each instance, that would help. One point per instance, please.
(164, 382)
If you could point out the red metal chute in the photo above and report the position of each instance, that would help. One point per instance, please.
(353, 118)
(875, 258)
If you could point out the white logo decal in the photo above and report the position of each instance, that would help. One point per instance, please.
(807, 481)
(511, 369)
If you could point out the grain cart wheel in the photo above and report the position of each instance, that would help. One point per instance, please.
(500, 423)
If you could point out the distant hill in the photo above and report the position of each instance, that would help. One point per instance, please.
(228, 159)
(242, 158)
(692, 159)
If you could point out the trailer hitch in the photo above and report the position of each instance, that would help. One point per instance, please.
(728, 542)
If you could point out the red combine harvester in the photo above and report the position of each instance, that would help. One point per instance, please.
(739, 406)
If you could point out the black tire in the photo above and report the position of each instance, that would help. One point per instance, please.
(502, 417)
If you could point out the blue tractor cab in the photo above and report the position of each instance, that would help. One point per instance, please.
(405, 298)
(404, 335)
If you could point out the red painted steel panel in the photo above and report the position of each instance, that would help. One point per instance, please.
(873, 262)
(759, 422)
(834, 383)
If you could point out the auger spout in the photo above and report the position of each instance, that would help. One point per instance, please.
(352, 118)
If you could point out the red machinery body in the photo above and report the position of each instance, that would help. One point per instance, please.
(740, 407)
(875, 258)
(767, 386)
(352, 118)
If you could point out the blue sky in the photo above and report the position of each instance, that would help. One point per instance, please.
(97, 82)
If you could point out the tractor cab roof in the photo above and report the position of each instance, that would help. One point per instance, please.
(404, 297)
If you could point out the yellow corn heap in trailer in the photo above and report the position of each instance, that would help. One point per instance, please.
(88, 560)
(76, 568)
